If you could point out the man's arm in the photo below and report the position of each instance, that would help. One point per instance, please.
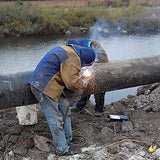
(70, 76)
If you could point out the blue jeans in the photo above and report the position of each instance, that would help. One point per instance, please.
(55, 114)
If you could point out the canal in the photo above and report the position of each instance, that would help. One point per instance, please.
(19, 54)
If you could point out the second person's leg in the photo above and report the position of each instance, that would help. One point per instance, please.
(99, 100)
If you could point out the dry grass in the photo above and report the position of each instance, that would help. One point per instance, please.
(75, 2)
(56, 3)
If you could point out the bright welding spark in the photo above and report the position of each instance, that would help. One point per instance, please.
(87, 73)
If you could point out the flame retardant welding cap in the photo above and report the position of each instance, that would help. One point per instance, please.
(85, 42)
(87, 55)
(85, 52)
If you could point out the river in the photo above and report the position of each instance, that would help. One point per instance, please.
(18, 54)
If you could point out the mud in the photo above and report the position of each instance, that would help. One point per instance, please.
(17, 141)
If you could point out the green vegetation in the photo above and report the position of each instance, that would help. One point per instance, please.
(30, 20)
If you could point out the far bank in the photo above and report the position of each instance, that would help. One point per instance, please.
(22, 20)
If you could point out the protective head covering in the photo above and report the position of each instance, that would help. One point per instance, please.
(85, 42)
(87, 55)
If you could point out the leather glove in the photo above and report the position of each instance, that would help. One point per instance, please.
(85, 82)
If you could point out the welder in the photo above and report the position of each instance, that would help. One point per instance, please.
(58, 69)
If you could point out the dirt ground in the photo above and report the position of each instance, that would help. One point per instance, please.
(18, 142)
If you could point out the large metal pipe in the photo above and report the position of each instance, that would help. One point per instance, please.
(15, 91)
(127, 73)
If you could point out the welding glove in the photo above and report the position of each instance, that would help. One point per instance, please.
(85, 82)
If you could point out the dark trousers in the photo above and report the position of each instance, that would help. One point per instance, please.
(99, 100)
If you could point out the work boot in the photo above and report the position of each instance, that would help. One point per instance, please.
(98, 114)
(75, 140)
(75, 108)
(71, 151)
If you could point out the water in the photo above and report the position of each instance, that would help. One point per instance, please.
(128, 47)
(21, 54)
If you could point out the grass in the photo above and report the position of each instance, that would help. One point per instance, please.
(31, 20)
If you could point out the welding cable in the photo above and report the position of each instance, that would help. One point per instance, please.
(125, 140)
(82, 141)
(79, 137)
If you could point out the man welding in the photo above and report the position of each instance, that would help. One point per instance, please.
(59, 69)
